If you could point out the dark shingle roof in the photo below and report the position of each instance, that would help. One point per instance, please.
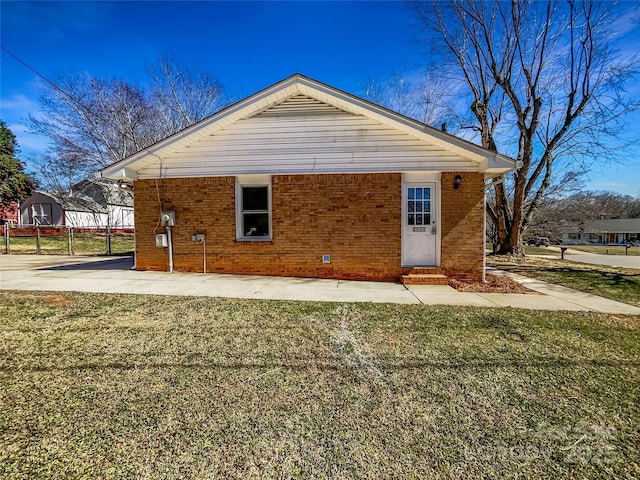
(610, 225)
(614, 225)
(105, 192)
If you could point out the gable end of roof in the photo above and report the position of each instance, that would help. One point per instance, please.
(300, 94)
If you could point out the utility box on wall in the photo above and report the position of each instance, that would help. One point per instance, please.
(168, 218)
(162, 240)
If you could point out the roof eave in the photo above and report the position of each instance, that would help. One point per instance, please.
(119, 173)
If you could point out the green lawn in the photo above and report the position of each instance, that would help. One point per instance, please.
(84, 244)
(621, 284)
(606, 250)
(121, 386)
(529, 250)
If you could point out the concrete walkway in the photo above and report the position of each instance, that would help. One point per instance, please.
(114, 275)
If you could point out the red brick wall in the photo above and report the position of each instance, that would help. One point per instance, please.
(353, 218)
(463, 225)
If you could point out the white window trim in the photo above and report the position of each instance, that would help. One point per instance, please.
(252, 181)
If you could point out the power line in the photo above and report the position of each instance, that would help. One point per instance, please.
(76, 101)
(61, 90)
(53, 84)
(81, 105)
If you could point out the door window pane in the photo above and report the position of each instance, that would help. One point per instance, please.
(419, 206)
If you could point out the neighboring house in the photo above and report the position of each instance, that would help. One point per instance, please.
(302, 179)
(619, 230)
(10, 214)
(117, 201)
(90, 203)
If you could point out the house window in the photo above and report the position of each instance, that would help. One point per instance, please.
(253, 202)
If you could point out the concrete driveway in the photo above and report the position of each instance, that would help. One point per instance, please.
(625, 261)
(115, 275)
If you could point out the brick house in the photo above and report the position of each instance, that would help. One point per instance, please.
(302, 179)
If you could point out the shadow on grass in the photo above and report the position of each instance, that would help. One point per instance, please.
(610, 277)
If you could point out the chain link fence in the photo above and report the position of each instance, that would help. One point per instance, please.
(63, 240)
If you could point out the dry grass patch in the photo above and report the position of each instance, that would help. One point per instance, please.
(121, 386)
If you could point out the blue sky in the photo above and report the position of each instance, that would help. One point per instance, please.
(246, 45)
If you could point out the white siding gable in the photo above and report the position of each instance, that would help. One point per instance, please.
(300, 125)
(303, 135)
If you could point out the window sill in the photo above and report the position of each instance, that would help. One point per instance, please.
(254, 240)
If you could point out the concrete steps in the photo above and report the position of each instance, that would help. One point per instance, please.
(424, 276)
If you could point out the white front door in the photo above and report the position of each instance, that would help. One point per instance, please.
(419, 229)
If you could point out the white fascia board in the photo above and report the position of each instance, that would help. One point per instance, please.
(498, 163)
(495, 172)
(121, 173)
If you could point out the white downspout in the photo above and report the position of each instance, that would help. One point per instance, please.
(484, 240)
(204, 253)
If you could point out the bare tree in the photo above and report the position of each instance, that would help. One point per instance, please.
(422, 98)
(545, 87)
(184, 95)
(93, 122)
(554, 213)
